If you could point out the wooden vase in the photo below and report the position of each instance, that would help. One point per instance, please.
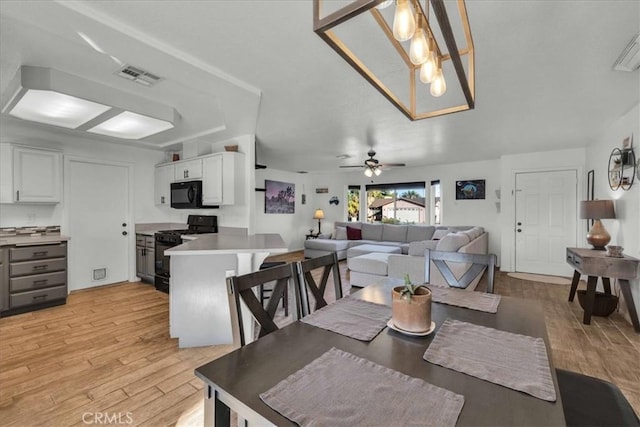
(412, 315)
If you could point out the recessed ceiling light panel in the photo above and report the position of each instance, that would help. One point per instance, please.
(58, 109)
(130, 125)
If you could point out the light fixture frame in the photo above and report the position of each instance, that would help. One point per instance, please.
(323, 28)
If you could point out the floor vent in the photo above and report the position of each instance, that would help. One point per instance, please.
(138, 75)
(99, 274)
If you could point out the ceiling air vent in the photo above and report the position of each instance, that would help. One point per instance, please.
(138, 75)
(629, 59)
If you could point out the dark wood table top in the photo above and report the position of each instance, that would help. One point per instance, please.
(255, 368)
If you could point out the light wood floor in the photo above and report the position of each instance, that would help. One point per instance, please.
(107, 352)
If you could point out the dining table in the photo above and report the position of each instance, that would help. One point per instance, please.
(237, 379)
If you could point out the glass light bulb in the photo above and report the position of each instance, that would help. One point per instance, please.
(428, 69)
(385, 4)
(438, 85)
(419, 50)
(404, 24)
(377, 171)
(368, 172)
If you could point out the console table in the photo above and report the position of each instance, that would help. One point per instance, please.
(594, 264)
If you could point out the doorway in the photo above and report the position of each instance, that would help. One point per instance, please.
(546, 221)
(97, 204)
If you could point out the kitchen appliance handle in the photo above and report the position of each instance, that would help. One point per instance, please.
(191, 194)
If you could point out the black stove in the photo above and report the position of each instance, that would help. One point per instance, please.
(198, 224)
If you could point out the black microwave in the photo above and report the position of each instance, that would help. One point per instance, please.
(187, 195)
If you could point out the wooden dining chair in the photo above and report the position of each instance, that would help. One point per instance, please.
(589, 401)
(326, 264)
(479, 262)
(244, 288)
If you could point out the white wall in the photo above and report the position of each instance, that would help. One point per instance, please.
(541, 161)
(455, 212)
(625, 229)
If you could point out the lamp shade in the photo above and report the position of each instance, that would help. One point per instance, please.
(597, 209)
(318, 214)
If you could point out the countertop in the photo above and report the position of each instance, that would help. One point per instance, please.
(27, 240)
(206, 244)
(151, 228)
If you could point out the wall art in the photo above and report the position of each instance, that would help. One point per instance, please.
(470, 189)
(279, 197)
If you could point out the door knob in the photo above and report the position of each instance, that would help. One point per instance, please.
(124, 224)
(519, 230)
(124, 233)
(519, 223)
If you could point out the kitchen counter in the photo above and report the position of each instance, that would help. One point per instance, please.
(28, 240)
(199, 312)
(150, 229)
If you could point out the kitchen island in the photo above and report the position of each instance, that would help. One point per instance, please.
(198, 303)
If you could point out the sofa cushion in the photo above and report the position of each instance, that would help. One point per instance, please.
(328, 245)
(452, 242)
(341, 233)
(394, 233)
(372, 231)
(416, 233)
(354, 233)
(373, 263)
(418, 248)
(366, 249)
(439, 234)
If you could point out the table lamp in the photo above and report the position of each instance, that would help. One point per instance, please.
(318, 214)
(597, 210)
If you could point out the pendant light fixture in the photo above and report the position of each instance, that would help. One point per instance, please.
(432, 42)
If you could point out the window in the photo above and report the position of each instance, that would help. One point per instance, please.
(353, 203)
(435, 203)
(402, 203)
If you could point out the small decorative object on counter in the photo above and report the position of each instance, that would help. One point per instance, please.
(615, 251)
(411, 307)
(231, 148)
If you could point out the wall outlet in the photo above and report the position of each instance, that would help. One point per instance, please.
(31, 218)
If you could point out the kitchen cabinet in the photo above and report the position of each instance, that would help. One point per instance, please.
(29, 175)
(145, 257)
(4, 281)
(188, 170)
(164, 176)
(37, 277)
(223, 179)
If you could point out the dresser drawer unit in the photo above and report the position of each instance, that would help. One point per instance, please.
(37, 252)
(28, 283)
(37, 267)
(36, 297)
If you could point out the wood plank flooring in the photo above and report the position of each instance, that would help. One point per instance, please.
(107, 353)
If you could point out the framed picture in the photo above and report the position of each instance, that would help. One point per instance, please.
(279, 197)
(470, 190)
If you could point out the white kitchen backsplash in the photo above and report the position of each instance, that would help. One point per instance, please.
(24, 215)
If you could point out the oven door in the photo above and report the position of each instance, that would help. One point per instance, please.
(162, 261)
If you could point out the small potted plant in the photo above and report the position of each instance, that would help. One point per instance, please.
(411, 307)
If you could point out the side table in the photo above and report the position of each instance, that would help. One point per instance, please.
(594, 264)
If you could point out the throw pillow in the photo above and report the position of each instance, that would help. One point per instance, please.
(354, 233)
(341, 233)
(439, 234)
(452, 242)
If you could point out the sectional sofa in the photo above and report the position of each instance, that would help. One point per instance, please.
(379, 250)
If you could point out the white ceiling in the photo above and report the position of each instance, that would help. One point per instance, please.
(544, 76)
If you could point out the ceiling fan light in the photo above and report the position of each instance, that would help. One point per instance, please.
(404, 24)
(428, 70)
(419, 49)
(55, 108)
(368, 172)
(377, 171)
(129, 125)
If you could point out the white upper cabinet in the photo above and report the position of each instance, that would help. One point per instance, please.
(223, 179)
(188, 170)
(164, 176)
(30, 175)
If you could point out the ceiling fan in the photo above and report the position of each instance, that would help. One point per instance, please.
(373, 166)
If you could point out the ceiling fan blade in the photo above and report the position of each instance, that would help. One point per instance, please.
(358, 166)
(393, 164)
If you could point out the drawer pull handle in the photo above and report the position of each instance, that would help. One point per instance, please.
(40, 282)
(40, 267)
(41, 253)
(41, 296)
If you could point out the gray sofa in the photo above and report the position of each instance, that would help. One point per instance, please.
(400, 236)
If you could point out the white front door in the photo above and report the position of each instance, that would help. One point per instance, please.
(546, 221)
(97, 205)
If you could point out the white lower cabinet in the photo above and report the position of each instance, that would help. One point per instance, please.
(30, 175)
